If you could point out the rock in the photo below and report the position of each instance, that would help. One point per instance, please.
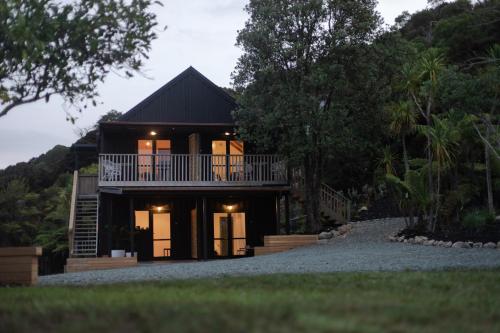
(429, 242)
(322, 241)
(490, 245)
(477, 245)
(440, 243)
(325, 235)
(448, 244)
(411, 240)
(419, 240)
(335, 233)
(405, 241)
(343, 229)
(401, 239)
(462, 245)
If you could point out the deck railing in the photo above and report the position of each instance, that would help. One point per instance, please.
(191, 170)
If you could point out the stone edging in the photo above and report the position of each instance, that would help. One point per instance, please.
(341, 231)
(422, 240)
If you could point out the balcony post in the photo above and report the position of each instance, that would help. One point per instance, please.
(287, 213)
(278, 213)
(132, 225)
(204, 227)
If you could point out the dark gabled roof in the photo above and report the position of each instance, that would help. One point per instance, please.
(188, 98)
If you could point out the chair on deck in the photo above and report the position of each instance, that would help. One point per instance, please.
(112, 171)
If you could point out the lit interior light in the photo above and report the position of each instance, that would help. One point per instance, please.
(148, 143)
(153, 133)
(227, 133)
(159, 208)
(229, 208)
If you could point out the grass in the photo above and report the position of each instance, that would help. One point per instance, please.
(453, 301)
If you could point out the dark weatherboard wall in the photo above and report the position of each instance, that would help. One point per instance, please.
(188, 98)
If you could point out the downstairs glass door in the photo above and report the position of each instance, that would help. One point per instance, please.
(161, 235)
(229, 234)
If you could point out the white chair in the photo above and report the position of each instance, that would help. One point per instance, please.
(112, 171)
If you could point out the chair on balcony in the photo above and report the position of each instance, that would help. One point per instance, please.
(278, 170)
(248, 172)
(112, 171)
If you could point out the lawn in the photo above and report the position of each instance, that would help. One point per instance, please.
(455, 301)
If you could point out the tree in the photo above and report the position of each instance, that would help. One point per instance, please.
(421, 81)
(296, 77)
(48, 48)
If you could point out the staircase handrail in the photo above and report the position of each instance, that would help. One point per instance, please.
(72, 212)
(328, 196)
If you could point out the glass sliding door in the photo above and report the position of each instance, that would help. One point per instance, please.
(236, 160)
(229, 234)
(238, 234)
(221, 235)
(219, 171)
(144, 160)
(222, 168)
(163, 160)
(161, 235)
(154, 160)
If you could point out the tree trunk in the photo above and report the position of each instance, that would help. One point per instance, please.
(312, 186)
(487, 162)
(407, 169)
(405, 154)
(429, 162)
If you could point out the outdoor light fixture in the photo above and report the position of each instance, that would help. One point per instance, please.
(153, 133)
(227, 133)
(159, 209)
(229, 208)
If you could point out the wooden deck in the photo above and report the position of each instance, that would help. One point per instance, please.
(92, 264)
(280, 243)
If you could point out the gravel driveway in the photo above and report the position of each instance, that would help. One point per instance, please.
(365, 249)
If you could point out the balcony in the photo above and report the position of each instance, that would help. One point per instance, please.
(124, 170)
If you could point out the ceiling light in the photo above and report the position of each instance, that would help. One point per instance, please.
(153, 133)
(227, 133)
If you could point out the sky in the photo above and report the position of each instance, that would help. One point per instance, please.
(200, 33)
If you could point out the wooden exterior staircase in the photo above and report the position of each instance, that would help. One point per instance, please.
(333, 205)
(83, 221)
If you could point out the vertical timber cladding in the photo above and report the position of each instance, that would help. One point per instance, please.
(260, 219)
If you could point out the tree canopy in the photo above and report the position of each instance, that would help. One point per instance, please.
(52, 48)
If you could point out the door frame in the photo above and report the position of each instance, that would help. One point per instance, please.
(230, 237)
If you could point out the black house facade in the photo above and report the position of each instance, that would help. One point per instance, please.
(174, 181)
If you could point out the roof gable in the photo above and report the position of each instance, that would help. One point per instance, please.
(188, 98)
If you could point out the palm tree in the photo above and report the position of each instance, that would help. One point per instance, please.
(422, 83)
(444, 141)
(387, 161)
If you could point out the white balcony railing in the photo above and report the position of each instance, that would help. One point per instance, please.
(191, 170)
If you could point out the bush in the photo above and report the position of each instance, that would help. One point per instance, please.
(478, 219)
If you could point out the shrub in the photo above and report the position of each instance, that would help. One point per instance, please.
(478, 219)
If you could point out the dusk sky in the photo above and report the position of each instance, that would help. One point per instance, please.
(200, 33)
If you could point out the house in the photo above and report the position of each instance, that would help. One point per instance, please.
(175, 182)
